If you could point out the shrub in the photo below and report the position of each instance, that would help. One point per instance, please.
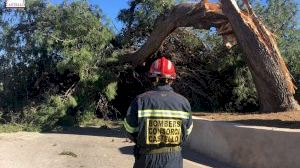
(111, 91)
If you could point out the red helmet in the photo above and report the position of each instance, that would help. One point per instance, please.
(163, 68)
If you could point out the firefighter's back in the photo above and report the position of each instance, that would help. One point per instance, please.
(163, 118)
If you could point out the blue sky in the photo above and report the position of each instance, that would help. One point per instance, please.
(111, 9)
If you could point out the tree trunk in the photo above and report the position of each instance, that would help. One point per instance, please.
(271, 77)
(198, 15)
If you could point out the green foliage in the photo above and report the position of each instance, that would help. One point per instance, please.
(291, 52)
(213, 78)
(111, 91)
(71, 102)
(281, 17)
(244, 92)
(53, 63)
(144, 12)
(192, 41)
(90, 119)
(227, 75)
(47, 115)
(8, 128)
(83, 43)
(56, 62)
(139, 19)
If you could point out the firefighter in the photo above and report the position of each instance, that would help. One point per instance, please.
(159, 121)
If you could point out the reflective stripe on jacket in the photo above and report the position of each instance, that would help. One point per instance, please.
(159, 118)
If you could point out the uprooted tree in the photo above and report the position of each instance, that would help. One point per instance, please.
(272, 79)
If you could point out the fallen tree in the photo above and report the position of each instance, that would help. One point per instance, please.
(272, 79)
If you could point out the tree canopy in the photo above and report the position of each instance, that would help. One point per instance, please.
(59, 63)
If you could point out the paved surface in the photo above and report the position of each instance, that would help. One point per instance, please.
(77, 148)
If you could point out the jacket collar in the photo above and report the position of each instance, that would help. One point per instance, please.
(164, 88)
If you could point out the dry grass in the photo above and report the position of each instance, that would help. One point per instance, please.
(290, 119)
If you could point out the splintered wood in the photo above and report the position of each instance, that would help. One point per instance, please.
(273, 82)
(267, 38)
(271, 77)
(223, 27)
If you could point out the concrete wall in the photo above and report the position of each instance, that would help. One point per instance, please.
(246, 146)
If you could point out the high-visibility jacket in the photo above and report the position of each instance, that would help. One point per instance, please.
(160, 118)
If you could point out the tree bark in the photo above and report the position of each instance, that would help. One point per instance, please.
(183, 15)
(272, 79)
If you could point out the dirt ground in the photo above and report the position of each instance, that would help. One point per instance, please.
(289, 119)
(91, 147)
(84, 147)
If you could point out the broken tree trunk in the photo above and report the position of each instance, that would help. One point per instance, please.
(200, 16)
(271, 77)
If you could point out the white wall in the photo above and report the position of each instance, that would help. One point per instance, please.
(246, 146)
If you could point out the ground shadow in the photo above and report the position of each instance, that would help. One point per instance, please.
(127, 150)
(188, 155)
(193, 156)
(269, 123)
(91, 131)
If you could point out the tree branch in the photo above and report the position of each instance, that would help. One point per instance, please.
(201, 16)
